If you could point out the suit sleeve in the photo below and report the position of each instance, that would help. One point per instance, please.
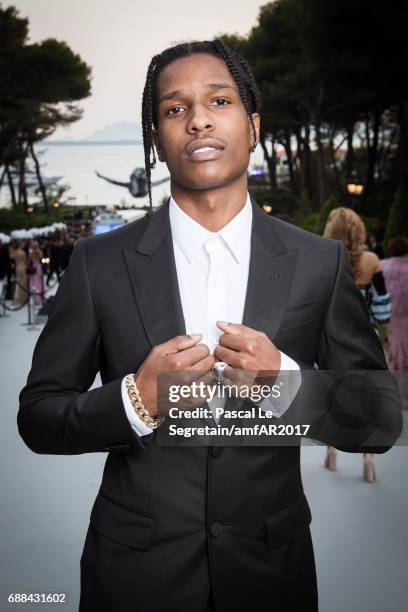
(348, 340)
(58, 414)
(353, 397)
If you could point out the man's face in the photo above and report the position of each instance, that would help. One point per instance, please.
(204, 134)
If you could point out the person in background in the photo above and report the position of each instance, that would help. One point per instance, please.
(66, 249)
(374, 246)
(18, 255)
(395, 270)
(6, 272)
(36, 275)
(54, 255)
(4, 265)
(345, 225)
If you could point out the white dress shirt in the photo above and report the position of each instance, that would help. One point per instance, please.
(212, 271)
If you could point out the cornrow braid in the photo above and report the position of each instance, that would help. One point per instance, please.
(147, 118)
(226, 54)
(246, 68)
(236, 64)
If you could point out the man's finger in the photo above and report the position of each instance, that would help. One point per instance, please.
(230, 356)
(204, 364)
(235, 342)
(237, 329)
(198, 353)
(191, 355)
(180, 343)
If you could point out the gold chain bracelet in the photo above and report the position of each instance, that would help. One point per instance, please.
(137, 404)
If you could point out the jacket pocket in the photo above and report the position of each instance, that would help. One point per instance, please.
(281, 329)
(288, 524)
(122, 525)
(299, 314)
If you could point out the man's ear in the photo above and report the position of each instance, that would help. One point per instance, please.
(156, 142)
(257, 123)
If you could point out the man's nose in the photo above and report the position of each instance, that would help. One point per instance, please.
(199, 119)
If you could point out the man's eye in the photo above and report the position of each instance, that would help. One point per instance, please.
(221, 101)
(174, 110)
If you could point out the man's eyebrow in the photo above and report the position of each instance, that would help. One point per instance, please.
(172, 94)
(221, 86)
(179, 92)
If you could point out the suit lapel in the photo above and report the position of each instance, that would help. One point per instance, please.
(271, 270)
(153, 276)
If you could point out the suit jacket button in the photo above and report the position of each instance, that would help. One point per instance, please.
(217, 451)
(216, 529)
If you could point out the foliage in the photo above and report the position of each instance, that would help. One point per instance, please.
(334, 83)
(307, 222)
(41, 84)
(16, 219)
(281, 200)
(332, 203)
(398, 218)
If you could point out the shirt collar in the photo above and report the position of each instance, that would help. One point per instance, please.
(190, 236)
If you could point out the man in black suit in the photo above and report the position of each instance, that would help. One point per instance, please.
(196, 528)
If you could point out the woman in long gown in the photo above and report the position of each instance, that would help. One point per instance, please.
(395, 270)
(18, 255)
(36, 278)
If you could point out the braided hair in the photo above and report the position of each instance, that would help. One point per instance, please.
(236, 64)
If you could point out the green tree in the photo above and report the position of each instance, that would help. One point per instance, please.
(334, 76)
(332, 203)
(41, 85)
(397, 224)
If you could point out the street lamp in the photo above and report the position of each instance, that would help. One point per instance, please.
(354, 188)
(267, 208)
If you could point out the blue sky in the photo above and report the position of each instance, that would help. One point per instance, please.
(117, 38)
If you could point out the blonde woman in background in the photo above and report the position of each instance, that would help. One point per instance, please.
(345, 225)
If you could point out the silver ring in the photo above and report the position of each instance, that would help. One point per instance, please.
(219, 369)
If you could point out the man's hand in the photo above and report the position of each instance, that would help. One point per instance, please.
(252, 357)
(184, 354)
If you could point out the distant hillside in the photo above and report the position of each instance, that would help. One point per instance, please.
(117, 131)
(120, 132)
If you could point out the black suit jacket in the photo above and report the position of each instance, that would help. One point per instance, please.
(168, 522)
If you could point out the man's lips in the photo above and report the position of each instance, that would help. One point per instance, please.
(204, 149)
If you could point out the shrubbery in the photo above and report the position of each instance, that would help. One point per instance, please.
(12, 219)
(397, 224)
